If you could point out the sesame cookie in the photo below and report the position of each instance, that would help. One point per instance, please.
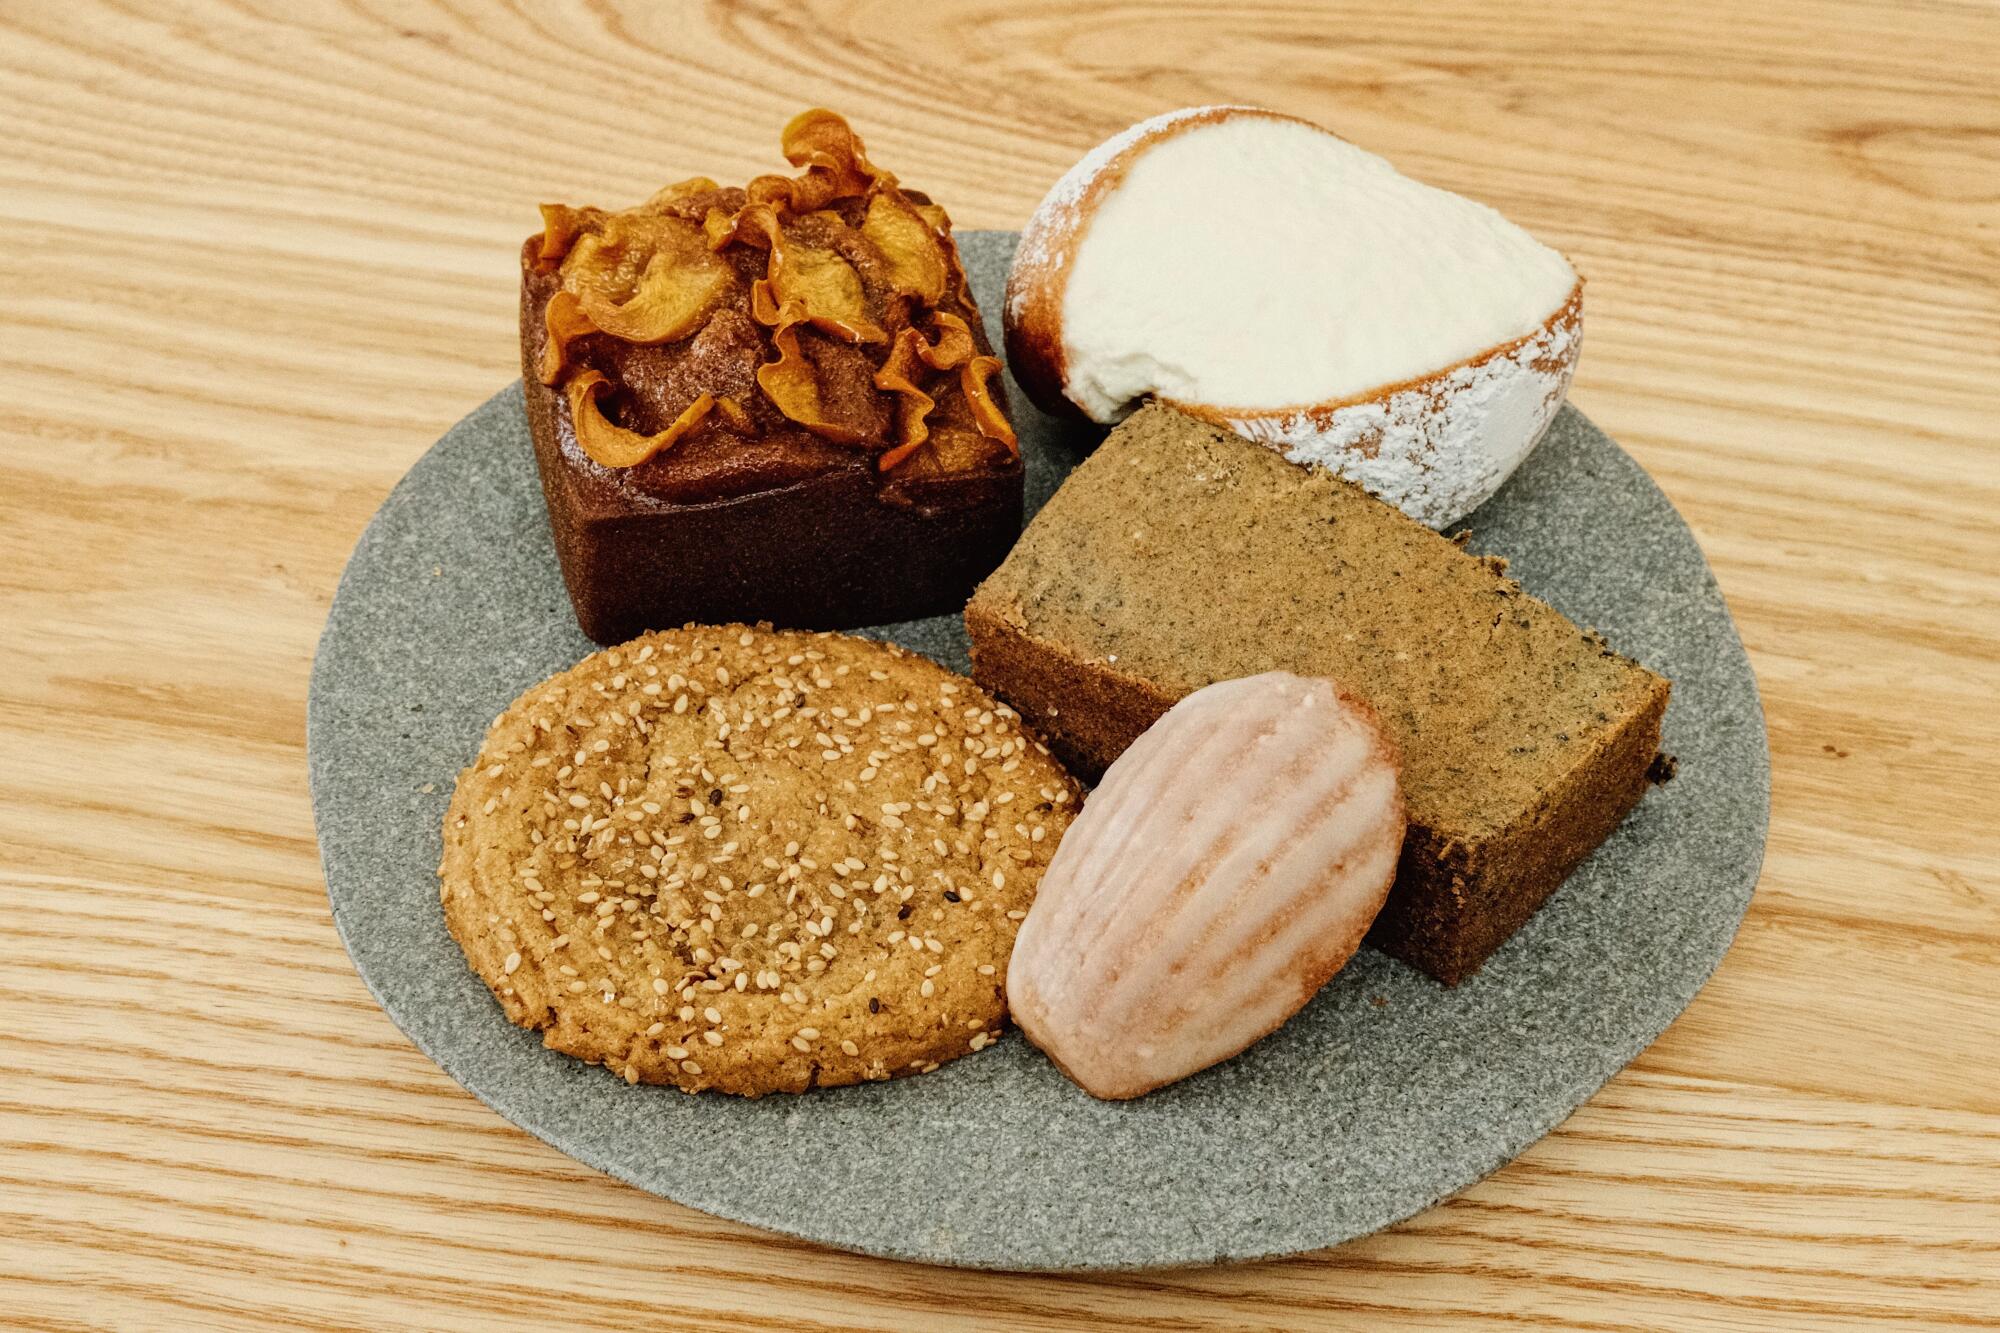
(749, 860)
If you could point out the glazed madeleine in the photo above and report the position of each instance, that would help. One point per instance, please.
(1227, 866)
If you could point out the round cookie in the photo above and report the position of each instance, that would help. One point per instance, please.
(754, 861)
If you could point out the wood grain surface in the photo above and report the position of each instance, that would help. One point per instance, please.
(259, 255)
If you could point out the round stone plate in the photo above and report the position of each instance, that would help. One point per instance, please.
(1385, 1094)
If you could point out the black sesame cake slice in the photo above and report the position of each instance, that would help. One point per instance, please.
(1178, 555)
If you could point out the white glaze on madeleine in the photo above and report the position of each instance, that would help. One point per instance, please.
(1227, 866)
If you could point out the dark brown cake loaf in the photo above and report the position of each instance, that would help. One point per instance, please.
(789, 410)
(1178, 555)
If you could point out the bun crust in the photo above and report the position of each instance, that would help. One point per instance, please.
(1040, 275)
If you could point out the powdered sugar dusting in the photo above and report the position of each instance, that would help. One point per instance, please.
(1438, 450)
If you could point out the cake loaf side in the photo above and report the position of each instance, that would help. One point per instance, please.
(1179, 555)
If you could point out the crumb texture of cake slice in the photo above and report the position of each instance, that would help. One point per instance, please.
(1179, 555)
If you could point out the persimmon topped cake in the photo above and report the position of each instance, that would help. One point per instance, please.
(774, 402)
(1180, 554)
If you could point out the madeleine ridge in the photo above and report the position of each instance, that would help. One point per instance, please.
(1228, 865)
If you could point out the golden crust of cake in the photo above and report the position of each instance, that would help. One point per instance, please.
(753, 861)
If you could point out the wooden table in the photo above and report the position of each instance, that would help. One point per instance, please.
(258, 256)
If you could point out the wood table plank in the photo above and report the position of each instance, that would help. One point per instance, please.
(259, 255)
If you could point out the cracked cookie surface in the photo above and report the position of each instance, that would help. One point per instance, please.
(752, 860)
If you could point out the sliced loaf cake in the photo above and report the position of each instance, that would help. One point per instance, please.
(1179, 554)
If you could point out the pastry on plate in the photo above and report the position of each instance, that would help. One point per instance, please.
(1268, 276)
(1227, 866)
(1179, 554)
(766, 403)
(752, 860)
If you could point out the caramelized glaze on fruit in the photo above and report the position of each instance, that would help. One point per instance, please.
(721, 318)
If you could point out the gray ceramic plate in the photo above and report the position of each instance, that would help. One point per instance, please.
(1386, 1094)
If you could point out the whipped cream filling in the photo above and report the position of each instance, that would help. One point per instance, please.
(1255, 264)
